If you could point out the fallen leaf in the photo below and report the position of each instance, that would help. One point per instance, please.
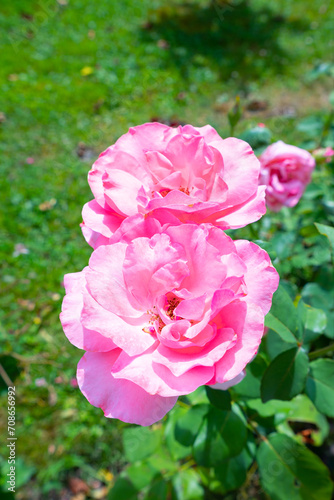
(163, 44)
(47, 205)
(77, 485)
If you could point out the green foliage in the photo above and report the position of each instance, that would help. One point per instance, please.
(289, 470)
(140, 442)
(219, 399)
(222, 435)
(328, 232)
(282, 317)
(188, 424)
(320, 385)
(285, 376)
(257, 137)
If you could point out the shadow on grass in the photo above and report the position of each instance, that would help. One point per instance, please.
(225, 36)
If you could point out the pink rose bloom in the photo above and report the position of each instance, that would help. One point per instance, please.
(285, 170)
(191, 172)
(163, 310)
(323, 154)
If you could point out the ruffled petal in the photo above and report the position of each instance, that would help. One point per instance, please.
(241, 170)
(248, 323)
(131, 337)
(105, 281)
(158, 379)
(70, 317)
(95, 217)
(118, 398)
(261, 277)
(180, 361)
(163, 268)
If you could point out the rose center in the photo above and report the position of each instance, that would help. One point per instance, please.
(154, 322)
(170, 305)
(164, 192)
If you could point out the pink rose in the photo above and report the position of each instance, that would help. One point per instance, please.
(191, 172)
(323, 154)
(162, 310)
(285, 170)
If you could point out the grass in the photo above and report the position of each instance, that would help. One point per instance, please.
(73, 77)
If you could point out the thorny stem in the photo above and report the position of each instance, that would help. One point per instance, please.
(5, 376)
(320, 352)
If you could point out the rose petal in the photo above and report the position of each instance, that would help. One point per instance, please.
(70, 317)
(118, 398)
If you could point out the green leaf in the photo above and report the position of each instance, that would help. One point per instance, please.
(283, 243)
(288, 470)
(159, 489)
(285, 376)
(257, 137)
(312, 126)
(327, 231)
(197, 397)
(188, 424)
(276, 324)
(232, 473)
(186, 485)
(250, 385)
(23, 472)
(282, 317)
(219, 399)
(140, 442)
(141, 474)
(274, 345)
(274, 407)
(162, 461)
(320, 385)
(222, 435)
(312, 322)
(123, 488)
(176, 449)
(320, 298)
(302, 412)
(316, 296)
(331, 98)
(315, 324)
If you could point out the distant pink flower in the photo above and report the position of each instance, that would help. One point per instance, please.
(190, 172)
(73, 382)
(285, 170)
(329, 152)
(30, 160)
(162, 310)
(323, 154)
(40, 382)
(20, 249)
(261, 125)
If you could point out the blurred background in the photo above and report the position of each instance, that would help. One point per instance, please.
(74, 76)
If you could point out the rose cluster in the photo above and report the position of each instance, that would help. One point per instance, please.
(168, 301)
